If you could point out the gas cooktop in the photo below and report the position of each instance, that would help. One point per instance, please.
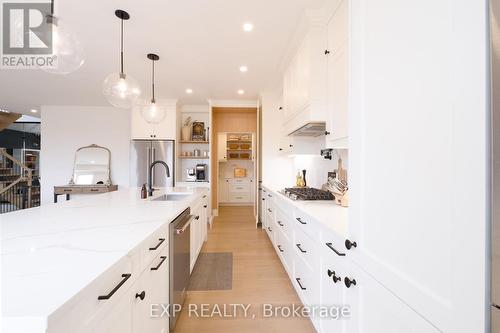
(307, 193)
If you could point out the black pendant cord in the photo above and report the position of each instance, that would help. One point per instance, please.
(121, 48)
(52, 7)
(153, 84)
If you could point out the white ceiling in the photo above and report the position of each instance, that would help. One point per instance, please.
(201, 46)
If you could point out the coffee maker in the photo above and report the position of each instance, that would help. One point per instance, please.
(201, 172)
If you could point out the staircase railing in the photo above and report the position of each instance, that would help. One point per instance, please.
(16, 184)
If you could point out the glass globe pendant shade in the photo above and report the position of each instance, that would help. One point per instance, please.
(121, 90)
(153, 113)
(67, 51)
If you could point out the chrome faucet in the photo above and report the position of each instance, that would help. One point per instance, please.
(150, 175)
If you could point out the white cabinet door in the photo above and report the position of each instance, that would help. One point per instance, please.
(222, 147)
(149, 291)
(332, 291)
(196, 232)
(117, 320)
(166, 130)
(338, 79)
(375, 309)
(224, 184)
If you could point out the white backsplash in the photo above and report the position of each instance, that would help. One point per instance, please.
(317, 167)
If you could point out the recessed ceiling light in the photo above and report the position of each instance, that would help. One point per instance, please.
(241, 92)
(189, 91)
(243, 69)
(34, 110)
(248, 27)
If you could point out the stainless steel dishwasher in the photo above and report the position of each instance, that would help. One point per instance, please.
(180, 256)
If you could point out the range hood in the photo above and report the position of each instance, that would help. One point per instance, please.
(313, 129)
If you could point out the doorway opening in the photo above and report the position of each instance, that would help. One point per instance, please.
(234, 157)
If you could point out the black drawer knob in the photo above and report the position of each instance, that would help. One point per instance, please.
(334, 277)
(349, 244)
(141, 295)
(349, 283)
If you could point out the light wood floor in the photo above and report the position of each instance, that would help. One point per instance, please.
(258, 278)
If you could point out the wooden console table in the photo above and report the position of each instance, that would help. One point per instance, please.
(82, 189)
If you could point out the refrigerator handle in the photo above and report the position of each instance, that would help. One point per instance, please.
(148, 163)
(153, 160)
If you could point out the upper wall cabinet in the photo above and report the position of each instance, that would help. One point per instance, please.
(166, 130)
(305, 79)
(338, 78)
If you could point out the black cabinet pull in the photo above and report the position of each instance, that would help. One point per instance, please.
(334, 277)
(327, 133)
(327, 52)
(298, 246)
(108, 296)
(197, 217)
(269, 228)
(158, 245)
(205, 206)
(281, 224)
(263, 199)
(163, 258)
(269, 210)
(279, 248)
(300, 220)
(204, 196)
(349, 244)
(142, 295)
(281, 149)
(300, 284)
(349, 283)
(334, 250)
(270, 196)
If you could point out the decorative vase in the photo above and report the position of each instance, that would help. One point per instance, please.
(186, 133)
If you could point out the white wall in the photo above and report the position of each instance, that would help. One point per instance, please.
(66, 128)
(317, 167)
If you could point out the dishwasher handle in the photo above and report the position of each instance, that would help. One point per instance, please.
(182, 229)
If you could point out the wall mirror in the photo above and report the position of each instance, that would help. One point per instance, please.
(92, 166)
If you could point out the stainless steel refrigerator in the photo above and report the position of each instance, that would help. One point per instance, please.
(145, 152)
(495, 191)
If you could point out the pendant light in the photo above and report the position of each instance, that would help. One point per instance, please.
(152, 112)
(66, 48)
(119, 89)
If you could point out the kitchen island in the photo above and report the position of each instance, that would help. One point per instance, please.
(57, 259)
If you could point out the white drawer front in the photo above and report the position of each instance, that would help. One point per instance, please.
(285, 251)
(240, 197)
(284, 223)
(239, 188)
(306, 249)
(306, 282)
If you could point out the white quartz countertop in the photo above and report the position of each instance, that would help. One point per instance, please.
(332, 216)
(49, 253)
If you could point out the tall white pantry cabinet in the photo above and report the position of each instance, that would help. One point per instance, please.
(407, 93)
(418, 123)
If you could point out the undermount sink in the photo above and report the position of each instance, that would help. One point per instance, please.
(172, 197)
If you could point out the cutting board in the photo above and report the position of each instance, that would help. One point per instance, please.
(341, 172)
